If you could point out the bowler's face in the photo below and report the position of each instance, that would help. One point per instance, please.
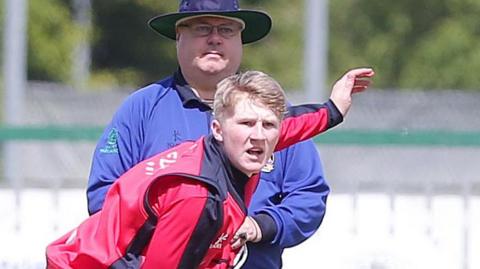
(249, 135)
(213, 54)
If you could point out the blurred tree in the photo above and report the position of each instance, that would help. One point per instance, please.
(280, 54)
(125, 49)
(428, 44)
(447, 56)
(412, 44)
(51, 38)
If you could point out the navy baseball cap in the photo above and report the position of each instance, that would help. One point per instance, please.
(257, 23)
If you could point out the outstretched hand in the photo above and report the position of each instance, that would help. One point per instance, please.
(355, 80)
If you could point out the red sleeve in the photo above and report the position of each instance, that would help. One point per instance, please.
(305, 121)
(179, 205)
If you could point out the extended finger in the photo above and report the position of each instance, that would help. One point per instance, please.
(239, 240)
(358, 89)
(361, 72)
(362, 82)
(236, 244)
(242, 236)
(239, 236)
(367, 74)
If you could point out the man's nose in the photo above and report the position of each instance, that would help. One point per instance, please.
(214, 37)
(258, 132)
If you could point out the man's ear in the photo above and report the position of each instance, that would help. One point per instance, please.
(217, 130)
(177, 34)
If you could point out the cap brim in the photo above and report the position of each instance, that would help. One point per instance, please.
(257, 24)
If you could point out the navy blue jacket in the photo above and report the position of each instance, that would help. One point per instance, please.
(292, 190)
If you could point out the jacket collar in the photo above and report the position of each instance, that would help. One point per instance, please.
(228, 176)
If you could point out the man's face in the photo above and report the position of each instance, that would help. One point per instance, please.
(249, 133)
(212, 54)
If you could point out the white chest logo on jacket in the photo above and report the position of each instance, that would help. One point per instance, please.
(270, 165)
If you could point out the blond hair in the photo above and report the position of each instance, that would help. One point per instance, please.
(255, 85)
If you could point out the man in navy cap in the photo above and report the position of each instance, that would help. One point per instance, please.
(290, 201)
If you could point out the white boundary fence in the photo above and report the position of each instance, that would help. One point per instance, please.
(358, 232)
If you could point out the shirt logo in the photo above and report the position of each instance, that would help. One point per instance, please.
(269, 166)
(111, 146)
(219, 242)
(177, 139)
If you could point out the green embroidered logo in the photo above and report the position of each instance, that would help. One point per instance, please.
(111, 145)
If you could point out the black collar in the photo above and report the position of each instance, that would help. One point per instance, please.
(188, 97)
(221, 167)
